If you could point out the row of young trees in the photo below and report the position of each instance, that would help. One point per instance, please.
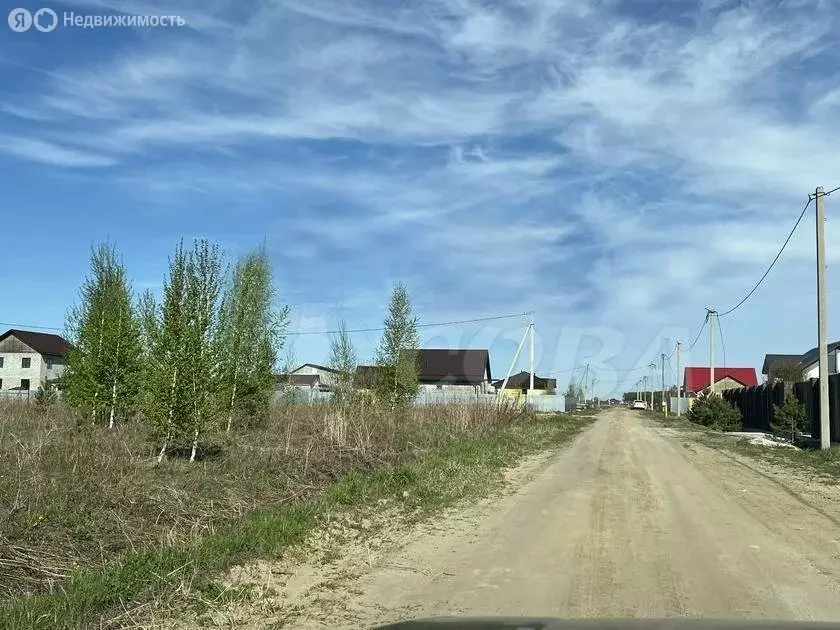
(203, 355)
(396, 381)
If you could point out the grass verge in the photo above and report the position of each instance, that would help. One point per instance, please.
(460, 469)
(817, 464)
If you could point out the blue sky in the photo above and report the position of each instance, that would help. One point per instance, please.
(614, 166)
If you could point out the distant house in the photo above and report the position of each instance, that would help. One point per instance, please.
(325, 377)
(30, 359)
(521, 381)
(441, 369)
(696, 379)
(299, 381)
(809, 361)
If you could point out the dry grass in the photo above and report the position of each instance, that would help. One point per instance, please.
(75, 497)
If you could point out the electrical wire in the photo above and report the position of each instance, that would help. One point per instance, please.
(700, 332)
(760, 280)
(826, 194)
(435, 325)
(24, 327)
(323, 332)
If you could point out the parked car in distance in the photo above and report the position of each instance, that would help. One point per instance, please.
(639, 404)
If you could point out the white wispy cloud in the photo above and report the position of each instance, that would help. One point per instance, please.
(588, 158)
(50, 153)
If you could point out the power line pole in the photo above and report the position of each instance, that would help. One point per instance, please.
(663, 384)
(822, 327)
(679, 389)
(533, 325)
(651, 368)
(710, 313)
(645, 379)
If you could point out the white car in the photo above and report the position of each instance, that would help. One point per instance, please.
(639, 404)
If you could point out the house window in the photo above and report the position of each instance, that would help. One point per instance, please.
(24, 383)
(49, 363)
(1, 362)
(26, 362)
(1, 383)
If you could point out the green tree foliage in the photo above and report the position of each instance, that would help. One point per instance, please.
(165, 399)
(710, 410)
(787, 372)
(789, 418)
(250, 336)
(103, 364)
(396, 357)
(46, 394)
(343, 359)
(182, 375)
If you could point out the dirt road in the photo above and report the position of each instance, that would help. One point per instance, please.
(627, 522)
(631, 520)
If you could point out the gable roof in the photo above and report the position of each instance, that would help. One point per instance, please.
(317, 367)
(771, 360)
(522, 380)
(470, 367)
(697, 378)
(813, 355)
(42, 343)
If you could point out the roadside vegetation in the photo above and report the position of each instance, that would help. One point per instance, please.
(94, 528)
(714, 412)
(788, 422)
(170, 455)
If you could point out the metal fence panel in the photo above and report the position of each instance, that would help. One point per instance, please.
(555, 403)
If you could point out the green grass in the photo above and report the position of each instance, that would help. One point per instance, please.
(458, 470)
(824, 465)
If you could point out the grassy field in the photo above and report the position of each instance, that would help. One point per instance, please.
(90, 526)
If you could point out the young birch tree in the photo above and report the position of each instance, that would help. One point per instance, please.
(343, 359)
(164, 332)
(250, 336)
(203, 285)
(103, 371)
(396, 357)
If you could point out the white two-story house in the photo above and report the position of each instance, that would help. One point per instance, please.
(30, 359)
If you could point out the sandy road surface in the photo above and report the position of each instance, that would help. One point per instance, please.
(626, 522)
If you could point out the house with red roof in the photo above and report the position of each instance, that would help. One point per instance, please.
(697, 379)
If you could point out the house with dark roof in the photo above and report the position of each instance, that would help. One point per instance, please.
(809, 361)
(521, 382)
(441, 369)
(29, 359)
(697, 379)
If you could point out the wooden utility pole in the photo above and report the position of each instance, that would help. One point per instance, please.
(710, 313)
(822, 324)
(533, 325)
(679, 389)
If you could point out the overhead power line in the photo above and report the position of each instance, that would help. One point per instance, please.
(760, 280)
(24, 327)
(325, 332)
(435, 325)
(700, 332)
